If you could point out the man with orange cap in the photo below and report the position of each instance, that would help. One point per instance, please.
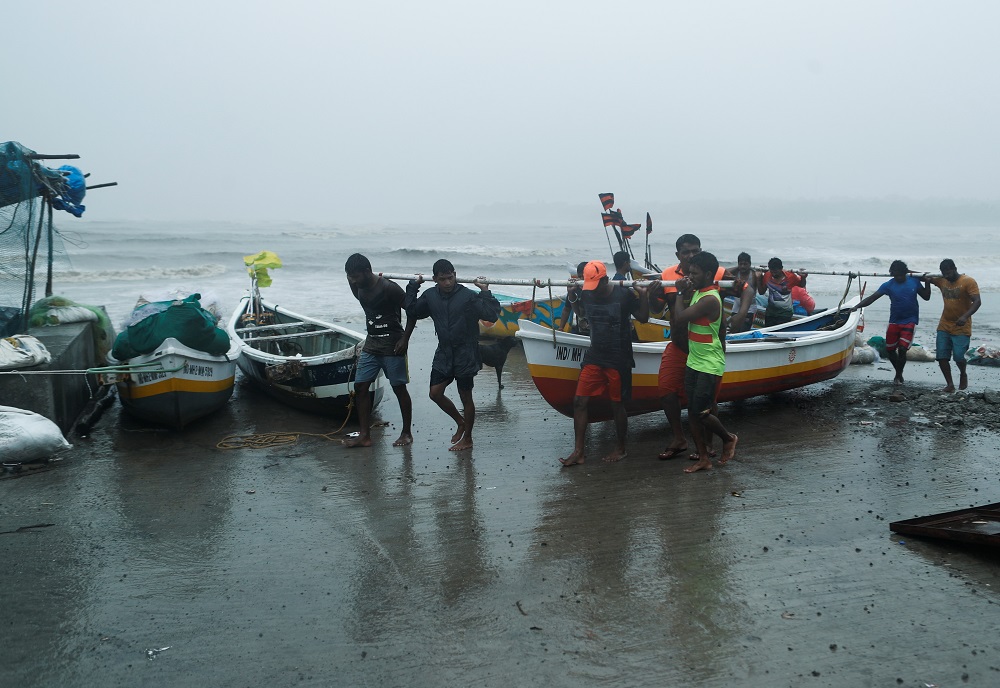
(607, 364)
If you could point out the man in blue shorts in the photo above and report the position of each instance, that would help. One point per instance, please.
(904, 310)
(961, 299)
(384, 349)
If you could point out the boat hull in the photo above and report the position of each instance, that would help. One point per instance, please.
(321, 383)
(191, 385)
(752, 369)
(513, 309)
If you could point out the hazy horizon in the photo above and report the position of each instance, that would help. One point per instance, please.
(392, 112)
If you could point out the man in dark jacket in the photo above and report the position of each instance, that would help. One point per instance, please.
(456, 312)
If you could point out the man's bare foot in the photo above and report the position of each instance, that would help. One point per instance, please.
(898, 380)
(573, 459)
(461, 445)
(403, 440)
(728, 449)
(358, 442)
(711, 454)
(949, 388)
(616, 455)
(672, 452)
(459, 434)
(702, 465)
(963, 381)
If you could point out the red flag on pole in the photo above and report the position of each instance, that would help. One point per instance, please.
(649, 225)
(607, 200)
(608, 220)
(616, 217)
(629, 230)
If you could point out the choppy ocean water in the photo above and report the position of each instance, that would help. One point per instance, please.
(112, 263)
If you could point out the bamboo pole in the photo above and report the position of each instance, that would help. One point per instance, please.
(847, 274)
(536, 282)
(42, 156)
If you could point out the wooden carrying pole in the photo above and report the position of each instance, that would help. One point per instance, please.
(848, 274)
(535, 282)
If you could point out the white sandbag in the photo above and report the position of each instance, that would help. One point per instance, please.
(919, 353)
(864, 355)
(27, 436)
(62, 315)
(22, 351)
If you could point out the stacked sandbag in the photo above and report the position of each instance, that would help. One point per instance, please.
(22, 351)
(27, 436)
(863, 353)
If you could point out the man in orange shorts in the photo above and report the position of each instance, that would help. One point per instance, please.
(607, 364)
(673, 364)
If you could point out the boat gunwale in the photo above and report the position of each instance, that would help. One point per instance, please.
(250, 351)
(534, 331)
(172, 347)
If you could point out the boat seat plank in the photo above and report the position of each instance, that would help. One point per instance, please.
(296, 335)
(262, 328)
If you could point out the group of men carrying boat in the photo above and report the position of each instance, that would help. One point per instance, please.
(691, 366)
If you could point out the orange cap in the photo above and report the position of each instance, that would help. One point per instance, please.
(593, 273)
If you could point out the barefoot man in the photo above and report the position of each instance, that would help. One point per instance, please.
(456, 312)
(607, 364)
(673, 363)
(961, 299)
(384, 349)
(706, 359)
(904, 312)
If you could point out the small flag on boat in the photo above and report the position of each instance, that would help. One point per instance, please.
(608, 220)
(629, 230)
(616, 217)
(607, 200)
(649, 224)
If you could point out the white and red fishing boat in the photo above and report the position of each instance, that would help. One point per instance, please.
(796, 354)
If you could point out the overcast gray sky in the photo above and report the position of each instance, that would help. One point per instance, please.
(395, 111)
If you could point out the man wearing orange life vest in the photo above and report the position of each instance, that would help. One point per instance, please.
(674, 360)
(706, 360)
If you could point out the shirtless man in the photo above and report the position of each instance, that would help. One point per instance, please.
(384, 349)
(745, 293)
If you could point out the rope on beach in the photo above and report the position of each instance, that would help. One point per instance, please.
(270, 439)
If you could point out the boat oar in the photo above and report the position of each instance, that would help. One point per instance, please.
(535, 282)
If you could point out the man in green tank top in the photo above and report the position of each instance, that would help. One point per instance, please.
(706, 361)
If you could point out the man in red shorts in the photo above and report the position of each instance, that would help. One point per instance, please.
(904, 310)
(673, 365)
(607, 364)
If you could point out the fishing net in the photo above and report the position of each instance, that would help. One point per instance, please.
(29, 244)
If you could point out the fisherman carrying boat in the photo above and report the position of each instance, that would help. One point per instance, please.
(778, 283)
(961, 299)
(674, 360)
(706, 359)
(456, 311)
(743, 292)
(607, 364)
(384, 349)
(904, 311)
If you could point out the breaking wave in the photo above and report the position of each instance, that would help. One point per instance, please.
(136, 274)
(476, 250)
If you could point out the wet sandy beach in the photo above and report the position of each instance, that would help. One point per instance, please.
(314, 565)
